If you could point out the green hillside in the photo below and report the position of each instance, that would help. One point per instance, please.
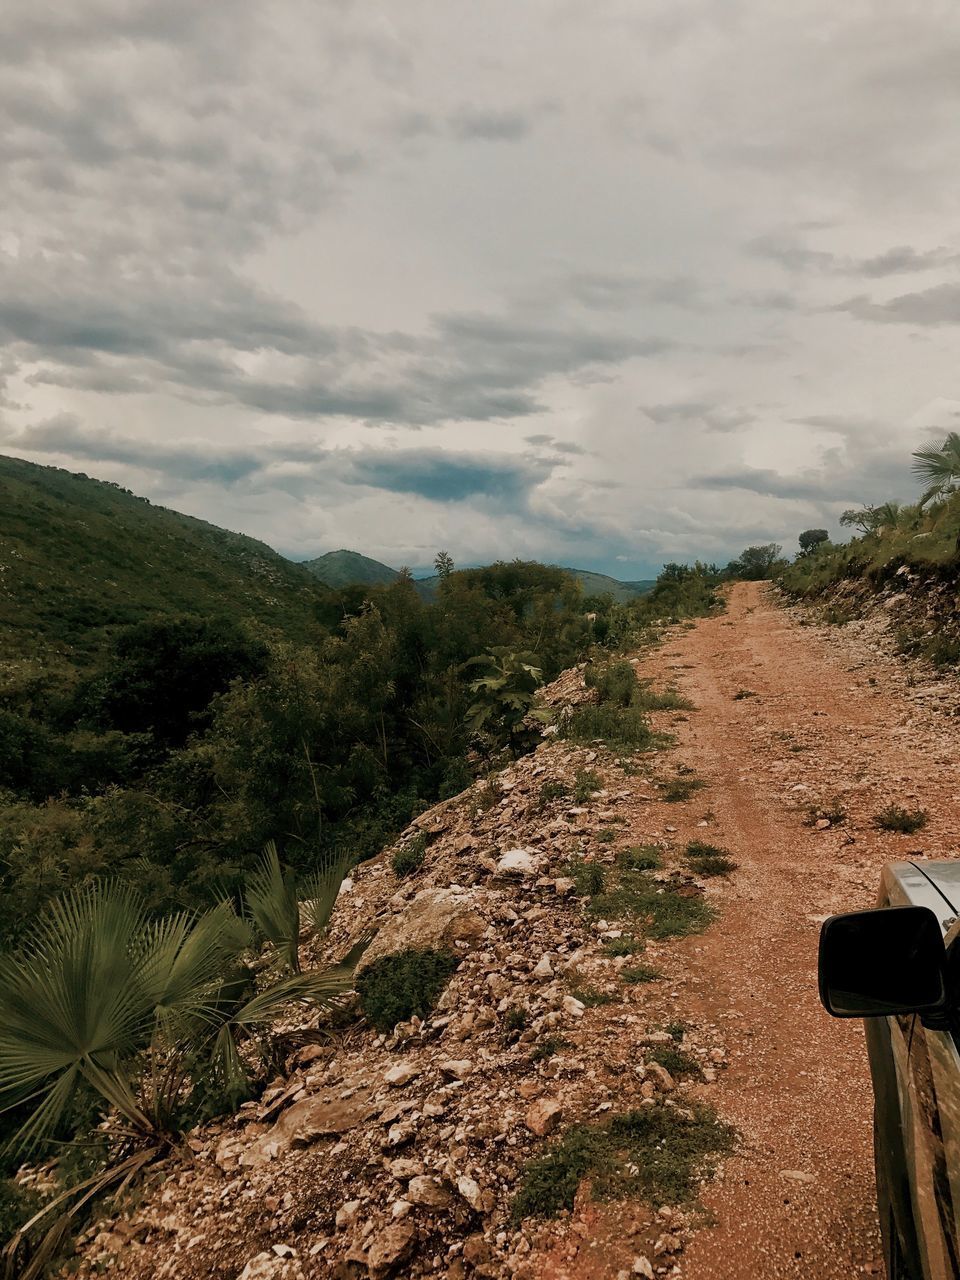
(347, 568)
(80, 558)
(599, 584)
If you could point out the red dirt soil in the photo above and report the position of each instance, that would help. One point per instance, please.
(798, 1199)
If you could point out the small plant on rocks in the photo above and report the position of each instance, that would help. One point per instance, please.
(681, 788)
(906, 821)
(549, 1047)
(409, 857)
(585, 783)
(626, 945)
(397, 987)
(676, 1061)
(640, 973)
(551, 791)
(656, 1153)
(643, 857)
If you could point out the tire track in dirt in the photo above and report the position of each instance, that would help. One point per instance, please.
(799, 1199)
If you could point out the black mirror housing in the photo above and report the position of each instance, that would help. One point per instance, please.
(876, 964)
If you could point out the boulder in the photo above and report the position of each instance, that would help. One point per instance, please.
(436, 920)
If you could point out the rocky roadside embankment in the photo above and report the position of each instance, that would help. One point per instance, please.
(376, 1155)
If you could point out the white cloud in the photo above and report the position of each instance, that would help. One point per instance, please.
(648, 281)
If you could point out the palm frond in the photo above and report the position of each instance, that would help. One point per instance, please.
(937, 465)
(271, 901)
(318, 891)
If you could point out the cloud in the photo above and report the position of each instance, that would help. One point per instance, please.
(489, 125)
(938, 305)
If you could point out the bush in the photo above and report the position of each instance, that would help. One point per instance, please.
(401, 986)
(409, 857)
(626, 945)
(675, 1061)
(657, 1154)
(622, 728)
(615, 682)
(589, 877)
(585, 783)
(906, 821)
(551, 791)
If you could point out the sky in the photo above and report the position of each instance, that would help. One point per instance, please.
(604, 284)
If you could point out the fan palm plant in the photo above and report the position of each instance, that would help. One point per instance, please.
(139, 1010)
(937, 467)
(280, 906)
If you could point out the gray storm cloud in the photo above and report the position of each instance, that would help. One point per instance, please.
(647, 282)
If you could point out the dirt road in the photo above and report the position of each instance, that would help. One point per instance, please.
(821, 720)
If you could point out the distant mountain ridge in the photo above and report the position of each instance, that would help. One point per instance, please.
(348, 568)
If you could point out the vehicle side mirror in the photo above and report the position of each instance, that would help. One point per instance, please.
(875, 964)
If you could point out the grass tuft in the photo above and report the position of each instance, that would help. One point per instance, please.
(640, 973)
(585, 783)
(657, 1154)
(907, 821)
(640, 857)
(682, 788)
(626, 945)
(709, 859)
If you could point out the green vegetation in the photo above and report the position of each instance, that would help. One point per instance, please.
(709, 859)
(409, 857)
(549, 1047)
(621, 729)
(107, 1009)
(586, 783)
(906, 821)
(640, 973)
(407, 984)
(833, 811)
(551, 791)
(681, 788)
(657, 1154)
(676, 1061)
(666, 911)
(589, 877)
(515, 1021)
(625, 945)
(641, 857)
(593, 998)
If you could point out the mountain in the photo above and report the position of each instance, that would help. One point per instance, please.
(345, 568)
(599, 584)
(80, 558)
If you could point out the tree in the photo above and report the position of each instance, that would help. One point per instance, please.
(810, 539)
(443, 564)
(937, 467)
(869, 519)
(756, 563)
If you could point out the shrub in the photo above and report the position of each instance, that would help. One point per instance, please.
(667, 912)
(401, 986)
(832, 812)
(515, 1021)
(675, 1061)
(552, 790)
(615, 683)
(410, 856)
(893, 818)
(589, 877)
(593, 998)
(585, 783)
(657, 1154)
(626, 945)
(622, 728)
(669, 700)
